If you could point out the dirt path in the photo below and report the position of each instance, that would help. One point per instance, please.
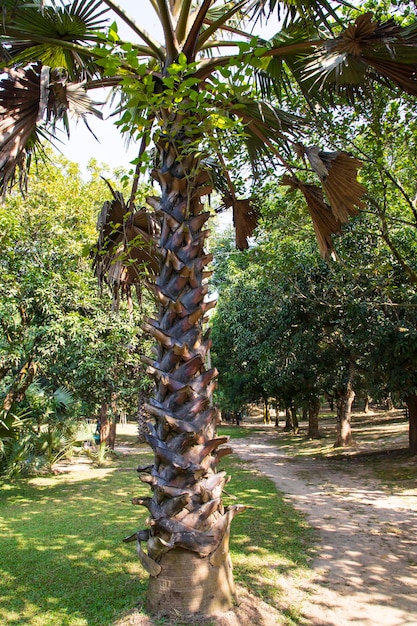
(366, 566)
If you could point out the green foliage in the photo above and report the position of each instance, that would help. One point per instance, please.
(55, 324)
(290, 326)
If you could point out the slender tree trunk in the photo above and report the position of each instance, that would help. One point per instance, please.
(330, 400)
(20, 384)
(288, 419)
(411, 401)
(344, 400)
(294, 419)
(104, 422)
(111, 439)
(267, 416)
(276, 407)
(389, 403)
(313, 418)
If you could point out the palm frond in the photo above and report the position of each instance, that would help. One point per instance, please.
(19, 108)
(32, 101)
(338, 173)
(266, 129)
(366, 52)
(317, 12)
(245, 220)
(325, 224)
(125, 255)
(48, 35)
(63, 397)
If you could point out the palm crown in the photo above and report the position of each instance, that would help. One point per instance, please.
(209, 97)
(210, 63)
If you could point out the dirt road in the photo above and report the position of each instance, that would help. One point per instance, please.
(366, 566)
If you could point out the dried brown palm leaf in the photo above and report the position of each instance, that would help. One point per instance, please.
(32, 100)
(19, 110)
(245, 219)
(125, 254)
(325, 224)
(338, 173)
(388, 48)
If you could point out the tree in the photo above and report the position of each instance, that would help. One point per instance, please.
(57, 331)
(199, 105)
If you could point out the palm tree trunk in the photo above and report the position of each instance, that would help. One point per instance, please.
(22, 381)
(187, 544)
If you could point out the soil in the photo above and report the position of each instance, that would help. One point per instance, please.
(365, 569)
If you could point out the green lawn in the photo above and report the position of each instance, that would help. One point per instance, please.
(62, 561)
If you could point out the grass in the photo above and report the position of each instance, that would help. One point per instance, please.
(61, 556)
(62, 561)
(270, 540)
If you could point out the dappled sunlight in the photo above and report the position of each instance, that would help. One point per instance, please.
(367, 552)
(64, 534)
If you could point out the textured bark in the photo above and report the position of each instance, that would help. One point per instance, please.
(188, 526)
(142, 418)
(189, 584)
(294, 419)
(266, 411)
(288, 419)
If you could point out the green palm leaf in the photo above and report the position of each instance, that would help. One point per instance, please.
(49, 35)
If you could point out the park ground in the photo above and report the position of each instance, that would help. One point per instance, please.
(330, 542)
(361, 502)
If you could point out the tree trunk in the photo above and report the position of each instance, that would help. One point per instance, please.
(411, 402)
(187, 538)
(20, 384)
(330, 400)
(143, 418)
(288, 419)
(104, 422)
(276, 407)
(267, 416)
(191, 585)
(344, 400)
(294, 419)
(313, 418)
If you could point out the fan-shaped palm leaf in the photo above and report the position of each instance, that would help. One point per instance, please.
(367, 51)
(325, 224)
(338, 174)
(32, 100)
(54, 35)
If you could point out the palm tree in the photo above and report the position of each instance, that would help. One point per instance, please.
(206, 101)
